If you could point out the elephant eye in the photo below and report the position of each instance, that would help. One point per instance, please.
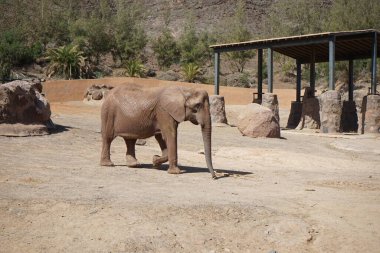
(197, 107)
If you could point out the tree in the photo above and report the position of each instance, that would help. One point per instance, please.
(165, 47)
(66, 60)
(129, 37)
(236, 30)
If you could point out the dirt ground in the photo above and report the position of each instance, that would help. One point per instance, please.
(305, 192)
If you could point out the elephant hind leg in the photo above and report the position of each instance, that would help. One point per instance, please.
(105, 159)
(131, 153)
(158, 160)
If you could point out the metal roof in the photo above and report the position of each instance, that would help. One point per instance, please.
(349, 45)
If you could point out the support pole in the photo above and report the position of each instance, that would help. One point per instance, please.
(260, 74)
(312, 72)
(332, 63)
(216, 72)
(299, 78)
(374, 64)
(270, 70)
(351, 80)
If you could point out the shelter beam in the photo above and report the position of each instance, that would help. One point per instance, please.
(350, 80)
(299, 80)
(260, 74)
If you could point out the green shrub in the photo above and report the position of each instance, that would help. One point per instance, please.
(66, 60)
(166, 49)
(134, 68)
(191, 71)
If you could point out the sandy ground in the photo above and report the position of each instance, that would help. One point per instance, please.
(306, 192)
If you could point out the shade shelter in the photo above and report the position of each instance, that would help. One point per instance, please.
(310, 49)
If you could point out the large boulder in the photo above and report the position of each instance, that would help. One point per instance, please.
(24, 110)
(258, 121)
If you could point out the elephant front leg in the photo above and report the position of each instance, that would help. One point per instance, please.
(158, 160)
(131, 153)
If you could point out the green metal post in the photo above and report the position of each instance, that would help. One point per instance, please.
(312, 72)
(332, 63)
(260, 74)
(270, 70)
(216, 72)
(374, 64)
(350, 80)
(299, 80)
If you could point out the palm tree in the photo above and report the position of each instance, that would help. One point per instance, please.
(66, 60)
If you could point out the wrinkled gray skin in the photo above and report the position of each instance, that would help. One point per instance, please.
(134, 112)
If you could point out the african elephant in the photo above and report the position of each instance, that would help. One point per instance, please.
(134, 112)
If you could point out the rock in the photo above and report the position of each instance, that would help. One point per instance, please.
(23, 109)
(330, 111)
(358, 99)
(169, 75)
(96, 92)
(217, 109)
(141, 142)
(310, 111)
(294, 115)
(151, 73)
(372, 114)
(270, 101)
(258, 121)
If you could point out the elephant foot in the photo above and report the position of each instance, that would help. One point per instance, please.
(106, 162)
(132, 162)
(175, 170)
(158, 160)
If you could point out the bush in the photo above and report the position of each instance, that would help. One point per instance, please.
(134, 68)
(66, 60)
(166, 49)
(15, 52)
(190, 71)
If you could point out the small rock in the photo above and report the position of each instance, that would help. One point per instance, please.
(141, 142)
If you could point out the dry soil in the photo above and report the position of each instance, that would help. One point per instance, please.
(305, 192)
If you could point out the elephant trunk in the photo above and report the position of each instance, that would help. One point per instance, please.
(206, 134)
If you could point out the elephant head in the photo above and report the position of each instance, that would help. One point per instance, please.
(189, 104)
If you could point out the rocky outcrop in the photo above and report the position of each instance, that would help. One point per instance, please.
(23, 109)
(97, 92)
(258, 121)
(270, 101)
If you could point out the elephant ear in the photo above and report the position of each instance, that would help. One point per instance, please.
(173, 101)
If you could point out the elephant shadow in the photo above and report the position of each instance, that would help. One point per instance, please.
(191, 169)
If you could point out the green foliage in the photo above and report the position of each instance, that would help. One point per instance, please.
(194, 47)
(353, 15)
(296, 17)
(165, 46)
(92, 37)
(134, 68)
(191, 71)
(130, 37)
(166, 49)
(15, 52)
(236, 30)
(66, 60)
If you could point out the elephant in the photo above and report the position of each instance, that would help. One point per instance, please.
(136, 112)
